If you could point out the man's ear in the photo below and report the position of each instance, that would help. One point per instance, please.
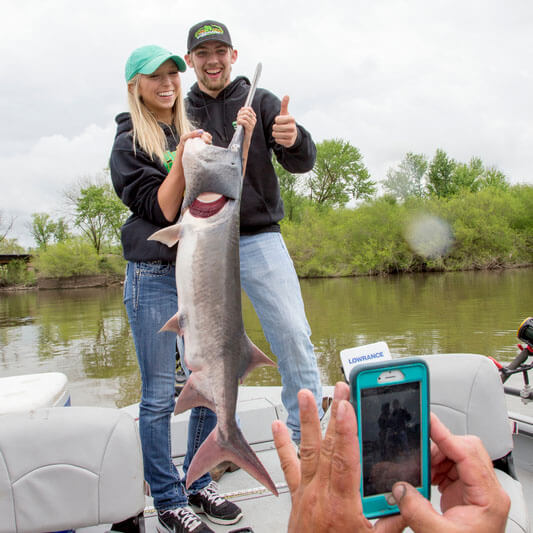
(188, 60)
(234, 55)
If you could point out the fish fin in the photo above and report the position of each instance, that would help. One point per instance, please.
(213, 451)
(190, 397)
(257, 358)
(173, 324)
(169, 235)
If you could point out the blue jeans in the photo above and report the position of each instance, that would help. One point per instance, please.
(151, 299)
(270, 281)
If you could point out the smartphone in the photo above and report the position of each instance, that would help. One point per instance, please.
(391, 400)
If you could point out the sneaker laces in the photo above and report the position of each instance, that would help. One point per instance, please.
(189, 519)
(211, 494)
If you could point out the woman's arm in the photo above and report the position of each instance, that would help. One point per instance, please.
(170, 193)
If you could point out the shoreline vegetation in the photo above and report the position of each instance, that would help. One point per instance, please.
(437, 215)
(488, 229)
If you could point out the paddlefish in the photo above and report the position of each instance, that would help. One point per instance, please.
(217, 350)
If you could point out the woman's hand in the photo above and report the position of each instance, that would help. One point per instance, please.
(170, 193)
(204, 135)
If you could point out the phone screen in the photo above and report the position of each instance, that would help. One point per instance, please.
(391, 437)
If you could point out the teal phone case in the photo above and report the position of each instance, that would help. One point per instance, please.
(366, 377)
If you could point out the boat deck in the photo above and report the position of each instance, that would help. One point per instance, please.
(263, 512)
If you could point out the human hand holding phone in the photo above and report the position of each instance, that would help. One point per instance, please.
(324, 483)
(472, 499)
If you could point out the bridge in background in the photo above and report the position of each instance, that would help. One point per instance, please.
(7, 258)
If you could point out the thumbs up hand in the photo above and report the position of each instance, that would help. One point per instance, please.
(284, 129)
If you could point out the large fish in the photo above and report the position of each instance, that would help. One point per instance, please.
(217, 349)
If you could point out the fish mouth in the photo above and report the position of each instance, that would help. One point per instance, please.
(207, 205)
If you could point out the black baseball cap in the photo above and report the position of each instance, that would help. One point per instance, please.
(208, 30)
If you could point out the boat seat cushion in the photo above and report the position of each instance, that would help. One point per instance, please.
(68, 467)
(467, 395)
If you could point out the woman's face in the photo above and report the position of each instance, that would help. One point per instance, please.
(160, 89)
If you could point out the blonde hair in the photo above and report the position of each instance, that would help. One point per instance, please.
(147, 132)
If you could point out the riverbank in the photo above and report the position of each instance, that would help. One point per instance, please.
(113, 280)
(487, 230)
(72, 282)
(481, 231)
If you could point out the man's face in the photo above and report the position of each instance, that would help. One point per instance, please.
(212, 62)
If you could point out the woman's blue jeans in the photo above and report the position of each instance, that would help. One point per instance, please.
(151, 299)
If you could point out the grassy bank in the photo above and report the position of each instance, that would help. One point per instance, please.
(488, 229)
(492, 228)
(69, 259)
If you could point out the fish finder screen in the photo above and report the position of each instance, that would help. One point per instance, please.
(391, 438)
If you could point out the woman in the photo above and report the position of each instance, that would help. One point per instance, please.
(147, 175)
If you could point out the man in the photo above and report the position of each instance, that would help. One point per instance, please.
(324, 484)
(267, 272)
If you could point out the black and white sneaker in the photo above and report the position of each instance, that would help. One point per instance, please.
(217, 509)
(181, 520)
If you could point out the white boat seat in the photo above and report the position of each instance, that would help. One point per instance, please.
(467, 395)
(68, 467)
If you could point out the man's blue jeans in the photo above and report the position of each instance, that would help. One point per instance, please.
(270, 281)
(150, 298)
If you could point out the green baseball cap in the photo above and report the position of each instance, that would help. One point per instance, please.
(148, 59)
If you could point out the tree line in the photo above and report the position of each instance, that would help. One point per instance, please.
(339, 192)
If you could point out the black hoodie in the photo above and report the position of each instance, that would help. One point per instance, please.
(261, 205)
(136, 179)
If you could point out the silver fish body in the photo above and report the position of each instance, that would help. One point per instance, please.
(217, 350)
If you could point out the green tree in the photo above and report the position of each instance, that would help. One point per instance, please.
(42, 229)
(492, 177)
(73, 257)
(440, 175)
(11, 246)
(99, 214)
(467, 177)
(408, 179)
(339, 174)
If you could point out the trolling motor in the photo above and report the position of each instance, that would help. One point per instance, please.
(519, 363)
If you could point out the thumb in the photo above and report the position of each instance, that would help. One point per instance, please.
(416, 511)
(284, 106)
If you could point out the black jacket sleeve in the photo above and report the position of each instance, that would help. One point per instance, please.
(136, 179)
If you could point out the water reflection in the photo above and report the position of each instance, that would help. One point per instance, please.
(85, 333)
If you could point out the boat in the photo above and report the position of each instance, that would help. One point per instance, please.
(466, 393)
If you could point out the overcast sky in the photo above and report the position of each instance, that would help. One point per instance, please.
(389, 76)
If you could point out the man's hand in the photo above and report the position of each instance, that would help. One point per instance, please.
(472, 498)
(324, 484)
(247, 119)
(284, 129)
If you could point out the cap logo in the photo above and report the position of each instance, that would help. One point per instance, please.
(208, 29)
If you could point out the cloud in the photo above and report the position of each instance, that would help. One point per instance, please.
(33, 180)
(389, 76)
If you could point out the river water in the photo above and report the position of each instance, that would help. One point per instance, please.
(85, 334)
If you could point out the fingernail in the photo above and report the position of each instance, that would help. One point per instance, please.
(398, 491)
(342, 410)
(305, 403)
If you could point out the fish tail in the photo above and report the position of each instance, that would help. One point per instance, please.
(212, 452)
